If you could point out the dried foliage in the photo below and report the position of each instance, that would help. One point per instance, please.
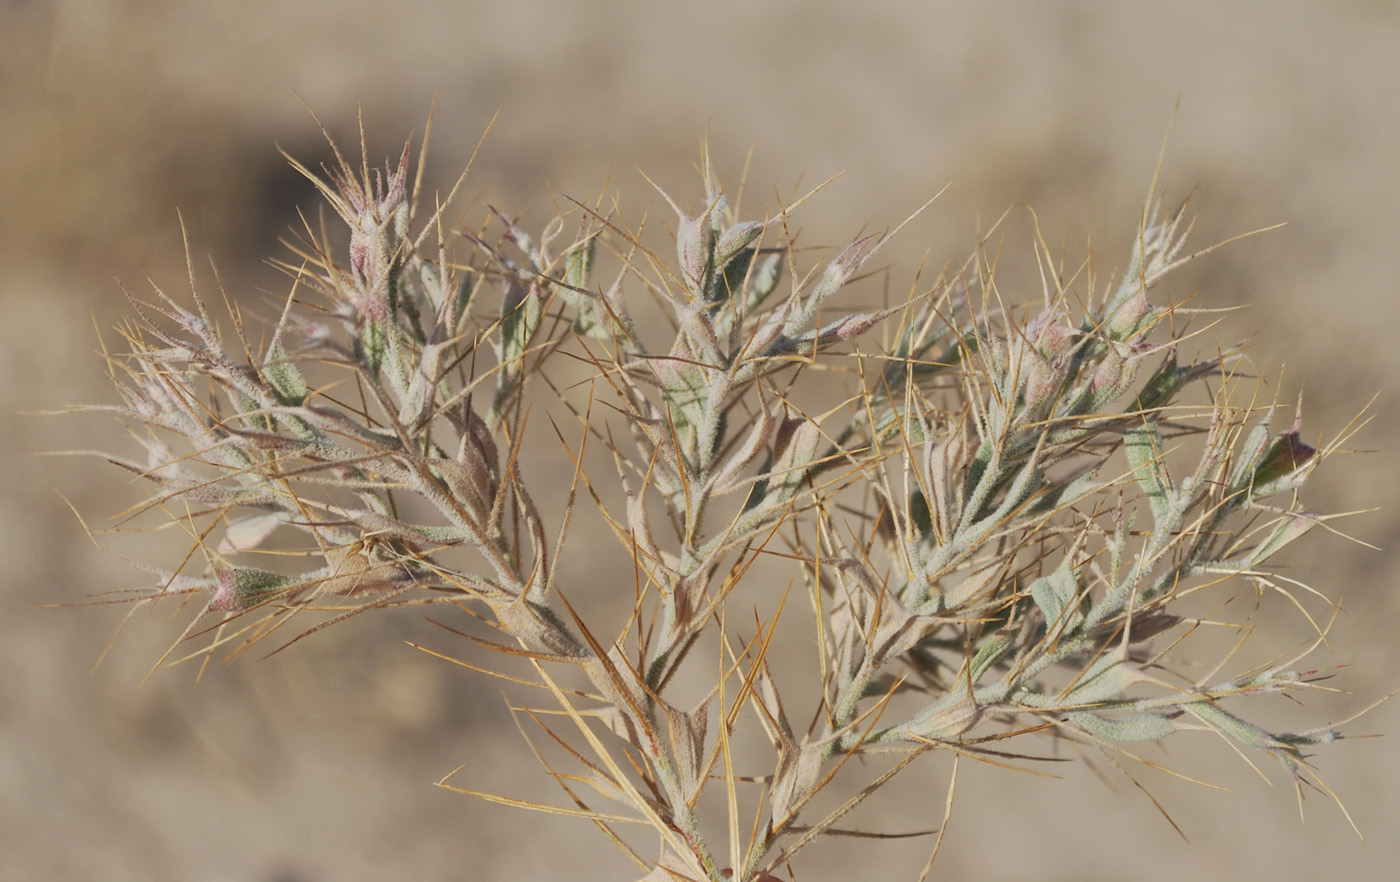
(998, 518)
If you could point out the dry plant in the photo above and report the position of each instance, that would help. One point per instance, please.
(1005, 520)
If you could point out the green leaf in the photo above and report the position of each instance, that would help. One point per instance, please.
(244, 587)
(989, 654)
(1135, 727)
(1105, 680)
(1143, 448)
(1055, 594)
(284, 377)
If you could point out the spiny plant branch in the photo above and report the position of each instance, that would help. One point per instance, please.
(998, 519)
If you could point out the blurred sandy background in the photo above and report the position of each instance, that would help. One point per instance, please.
(318, 764)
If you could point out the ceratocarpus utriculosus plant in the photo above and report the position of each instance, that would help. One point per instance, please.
(995, 521)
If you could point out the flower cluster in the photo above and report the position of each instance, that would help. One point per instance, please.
(998, 519)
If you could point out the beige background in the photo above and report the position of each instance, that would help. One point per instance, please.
(317, 764)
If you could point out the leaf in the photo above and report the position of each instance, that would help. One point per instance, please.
(687, 739)
(284, 377)
(695, 240)
(731, 473)
(899, 630)
(735, 239)
(1288, 529)
(763, 281)
(353, 572)
(1054, 594)
(1143, 447)
(1104, 680)
(799, 767)
(243, 587)
(797, 441)
(991, 651)
(520, 316)
(418, 404)
(1134, 727)
(1283, 465)
(246, 534)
